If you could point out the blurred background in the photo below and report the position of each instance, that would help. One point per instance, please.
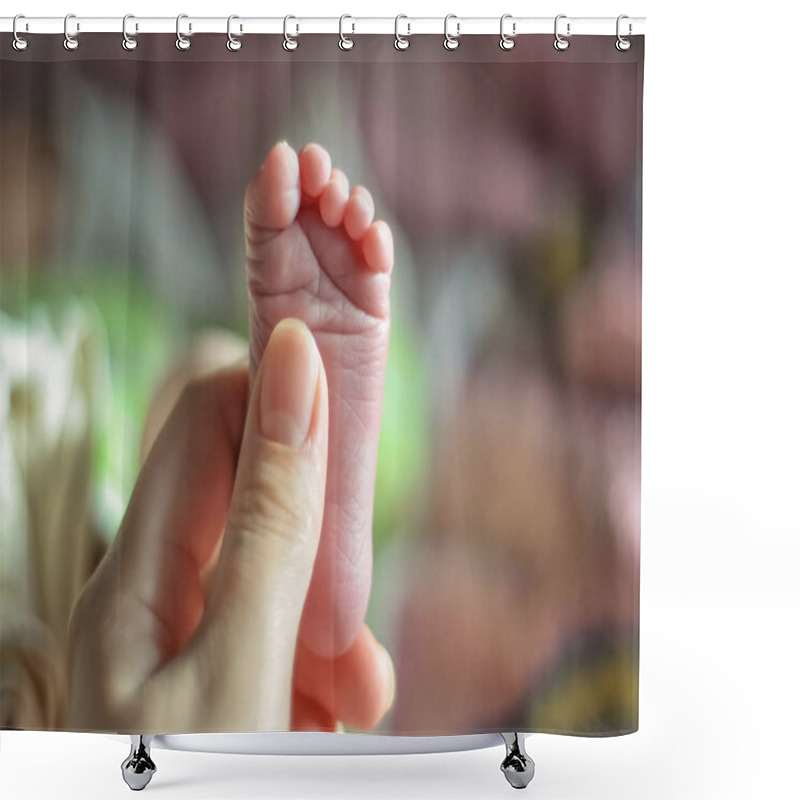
(506, 532)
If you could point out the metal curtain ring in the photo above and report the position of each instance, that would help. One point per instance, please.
(234, 42)
(289, 42)
(451, 42)
(70, 42)
(344, 42)
(506, 42)
(181, 41)
(19, 43)
(623, 44)
(401, 42)
(129, 42)
(561, 43)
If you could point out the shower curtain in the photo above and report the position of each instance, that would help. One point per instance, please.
(320, 383)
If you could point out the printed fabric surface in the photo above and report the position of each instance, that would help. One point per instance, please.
(320, 379)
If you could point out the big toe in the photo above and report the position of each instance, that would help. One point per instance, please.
(272, 198)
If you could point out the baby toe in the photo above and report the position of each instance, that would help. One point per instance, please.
(359, 213)
(272, 198)
(379, 247)
(315, 169)
(333, 199)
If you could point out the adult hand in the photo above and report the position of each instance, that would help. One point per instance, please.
(189, 623)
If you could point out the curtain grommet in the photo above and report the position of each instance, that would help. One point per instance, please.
(507, 42)
(70, 41)
(561, 43)
(401, 42)
(234, 43)
(451, 42)
(623, 44)
(290, 43)
(345, 43)
(182, 42)
(19, 44)
(129, 42)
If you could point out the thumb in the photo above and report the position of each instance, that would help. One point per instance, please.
(246, 642)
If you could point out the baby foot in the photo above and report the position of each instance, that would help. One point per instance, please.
(313, 252)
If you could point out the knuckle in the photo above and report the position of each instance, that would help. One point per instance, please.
(274, 500)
